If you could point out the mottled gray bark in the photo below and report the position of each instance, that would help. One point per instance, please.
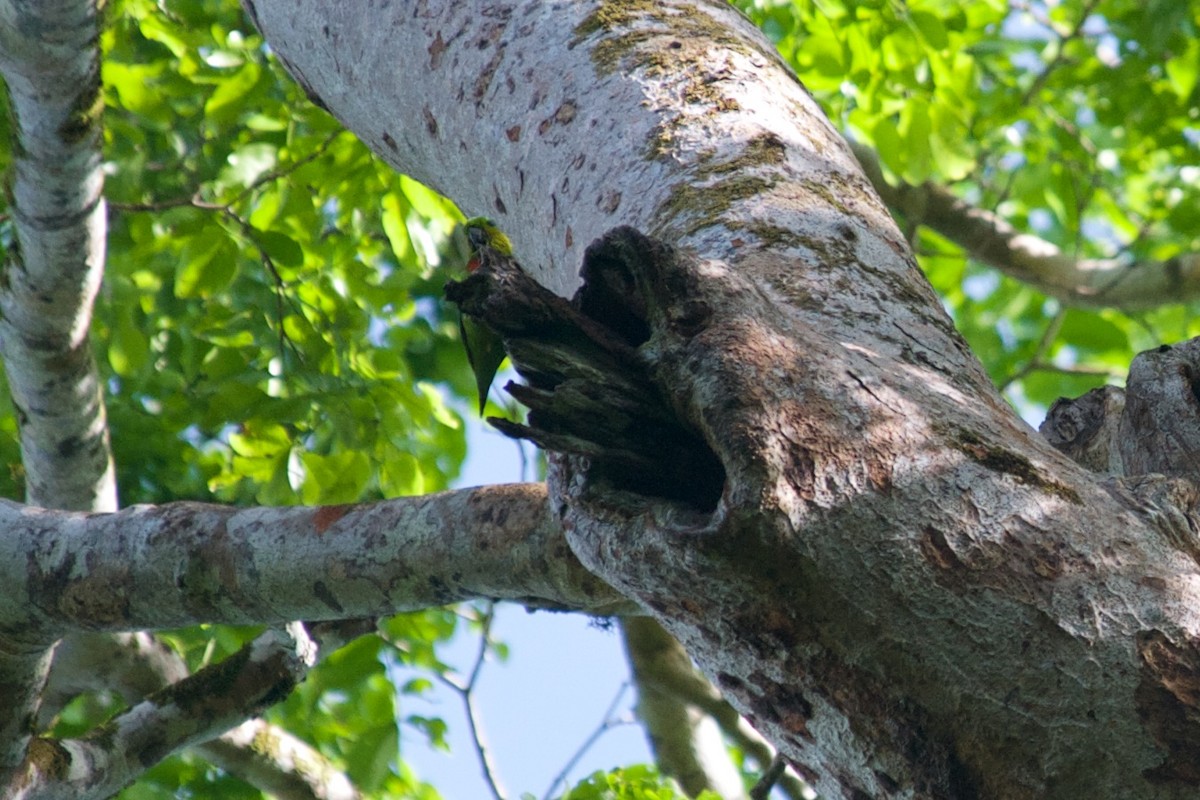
(178, 564)
(50, 65)
(904, 588)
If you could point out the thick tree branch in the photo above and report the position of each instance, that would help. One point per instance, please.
(183, 563)
(985, 236)
(50, 63)
(686, 742)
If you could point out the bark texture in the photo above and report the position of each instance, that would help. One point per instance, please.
(903, 587)
(50, 64)
(171, 565)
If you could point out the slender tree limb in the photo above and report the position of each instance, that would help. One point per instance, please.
(277, 763)
(687, 745)
(465, 691)
(607, 723)
(182, 563)
(767, 782)
(136, 664)
(986, 237)
(194, 710)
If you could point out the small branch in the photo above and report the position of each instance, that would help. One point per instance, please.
(607, 723)
(1043, 347)
(249, 232)
(136, 664)
(196, 709)
(767, 782)
(986, 237)
(1060, 54)
(465, 693)
(277, 763)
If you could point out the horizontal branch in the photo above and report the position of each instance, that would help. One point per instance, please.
(989, 239)
(150, 567)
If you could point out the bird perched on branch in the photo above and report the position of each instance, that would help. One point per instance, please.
(485, 348)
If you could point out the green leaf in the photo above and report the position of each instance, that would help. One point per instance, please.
(915, 128)
(931, 29)
(225, 98)
(889, 145)
(207, 264)
(393, 225)
(1183, 70)
(283, 249)
(1092, 332)
(335, 478)
(128, 350)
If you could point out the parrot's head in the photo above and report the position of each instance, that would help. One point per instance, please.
(482, 233)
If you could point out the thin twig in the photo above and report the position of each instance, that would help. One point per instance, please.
(1060, 52)
(769, 778)
(1043, 347)
(607, 723)
(465, 692)
(228, 211)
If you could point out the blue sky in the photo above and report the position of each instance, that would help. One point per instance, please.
(539, 706)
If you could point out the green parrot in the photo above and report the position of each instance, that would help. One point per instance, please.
(485, 349)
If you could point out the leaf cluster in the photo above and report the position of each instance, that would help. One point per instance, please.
(1074, 121)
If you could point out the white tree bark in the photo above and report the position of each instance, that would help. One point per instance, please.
(51, 67)
(906, 590)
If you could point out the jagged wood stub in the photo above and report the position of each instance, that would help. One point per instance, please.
(1150, 426)
(590, 387)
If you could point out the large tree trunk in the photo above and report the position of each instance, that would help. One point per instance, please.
(906, 589)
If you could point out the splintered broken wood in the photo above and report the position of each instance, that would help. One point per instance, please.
(589, 388)
(1150, 426)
